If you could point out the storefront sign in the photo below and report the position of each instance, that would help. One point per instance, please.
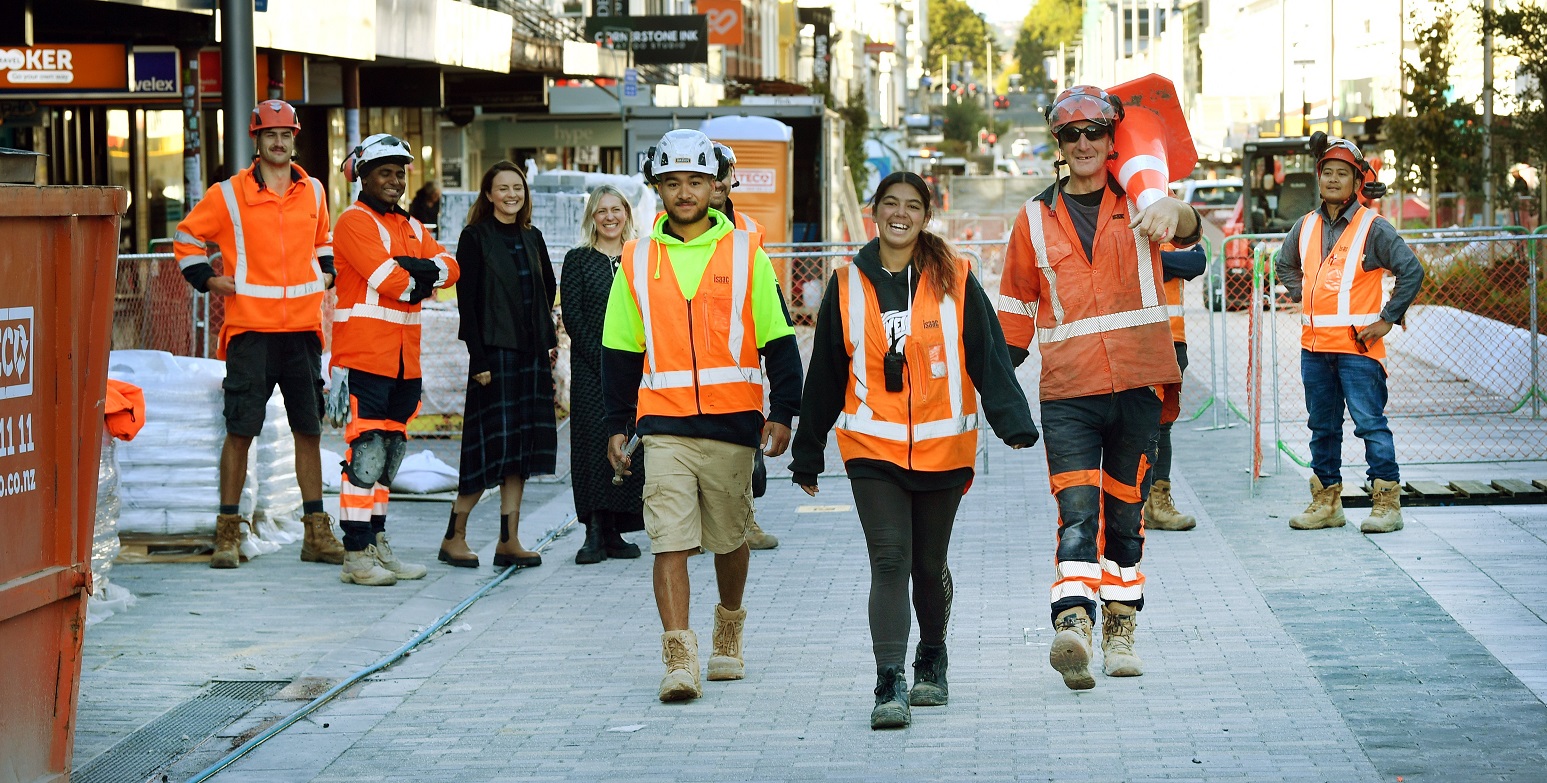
(724, 18)
(64, 68)
(609, 8)
(156, 72)
(657, 40)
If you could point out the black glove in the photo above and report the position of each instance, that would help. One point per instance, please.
(417, 264)
(424, 273)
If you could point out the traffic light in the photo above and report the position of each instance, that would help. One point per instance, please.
(993, 138)
(1001, 101)
(972, 89)
(955, 88)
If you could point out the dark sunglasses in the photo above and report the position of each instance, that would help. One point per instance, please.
(1353, 332)
(1071, 135)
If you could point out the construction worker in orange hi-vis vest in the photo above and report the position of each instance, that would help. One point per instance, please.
(721, 200)
(388, 263)
(268, 228)
(1160, 512)
(1335, 261)
(1083, 278)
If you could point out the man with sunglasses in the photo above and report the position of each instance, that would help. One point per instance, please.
(1083, 277)
(1334, 261)
(268, 225)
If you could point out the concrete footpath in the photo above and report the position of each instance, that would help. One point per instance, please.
(1270, 654)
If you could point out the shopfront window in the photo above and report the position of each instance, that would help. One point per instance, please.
(163, 173)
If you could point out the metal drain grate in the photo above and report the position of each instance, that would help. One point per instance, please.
(181, 729)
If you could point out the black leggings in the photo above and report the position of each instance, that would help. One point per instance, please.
(907, 533)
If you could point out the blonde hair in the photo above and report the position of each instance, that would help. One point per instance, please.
(588, 230)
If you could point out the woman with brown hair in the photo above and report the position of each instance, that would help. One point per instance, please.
(505, 298)
(606, 509)
(905, 341)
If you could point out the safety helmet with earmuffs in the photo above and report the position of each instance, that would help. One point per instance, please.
(1329, 148)
(375, 150)
(684, 149)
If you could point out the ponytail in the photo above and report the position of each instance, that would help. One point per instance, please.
(937, 262)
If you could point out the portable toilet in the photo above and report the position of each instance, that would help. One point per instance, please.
(763, 165)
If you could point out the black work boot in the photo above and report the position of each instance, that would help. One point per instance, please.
(929, 688)
(616, 545)
(891, 711)
(593, 550)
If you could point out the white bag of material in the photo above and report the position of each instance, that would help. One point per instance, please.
(107, 598)
(422, 473)
(332, 471)
(278, 494)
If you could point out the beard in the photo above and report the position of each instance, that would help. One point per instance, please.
(699, 213)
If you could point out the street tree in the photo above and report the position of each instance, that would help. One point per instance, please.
(1521, 31)
(1048, 24)
(1436, 142)
(957, 33)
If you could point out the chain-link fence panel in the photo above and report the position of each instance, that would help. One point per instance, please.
(155, 309)
(1463, 373)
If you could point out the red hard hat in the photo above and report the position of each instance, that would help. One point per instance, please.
(273, 114)
(1345, 151)
(1083, 102)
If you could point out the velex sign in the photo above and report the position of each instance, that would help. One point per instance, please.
(155, 71)
(64, 68)
(656, 40)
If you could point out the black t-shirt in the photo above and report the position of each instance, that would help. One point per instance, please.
(1085, 213)
(894, 295)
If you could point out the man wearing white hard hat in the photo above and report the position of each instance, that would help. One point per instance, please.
(692, 318)
(388, 263)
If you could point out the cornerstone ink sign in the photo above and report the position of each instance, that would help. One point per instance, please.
(656, 40)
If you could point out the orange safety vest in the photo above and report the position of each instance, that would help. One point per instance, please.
(275, 242)
(1175, 310)
(717, 369)
(375, 329)
(932, 424)
(1101, 323)
(1339, 293)
(746, 223)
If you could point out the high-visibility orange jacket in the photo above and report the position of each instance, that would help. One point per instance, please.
(1339, 295)
(1101, 323)
(932, 424)
(700, 354)
(1174, 309)
(375, 327)
(749, 224)
(273, 245)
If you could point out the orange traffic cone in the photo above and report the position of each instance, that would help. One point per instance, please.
(1153, 143)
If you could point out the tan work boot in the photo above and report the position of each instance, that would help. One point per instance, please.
(362, 568)
(389, 561)
(725, 661)
(679, 651)
(509, 552)
(320, 545)
(1385, 508)
(1070, 651)
(757, 539)
(1325, 510)
(1117, 656)
(1160, 511)
(228, 541)
(453, 548)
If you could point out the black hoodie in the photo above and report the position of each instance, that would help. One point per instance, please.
(1001, 399)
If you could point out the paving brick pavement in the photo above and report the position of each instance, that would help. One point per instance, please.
(1270, 655)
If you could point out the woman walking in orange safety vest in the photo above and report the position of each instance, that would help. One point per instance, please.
(387, 264)
(905, 341)
(1338, 257)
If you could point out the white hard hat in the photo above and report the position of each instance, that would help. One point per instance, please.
(683, 150)
(726, 152)
(378, 148)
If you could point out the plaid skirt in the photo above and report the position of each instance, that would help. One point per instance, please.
(508, 426)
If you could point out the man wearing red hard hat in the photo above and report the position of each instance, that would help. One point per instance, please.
(1334, 261)
(269, 226)
(1083, 277)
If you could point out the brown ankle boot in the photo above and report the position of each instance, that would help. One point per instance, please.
(453, 548)
(320, 545)
(509, 552)
(228, 541)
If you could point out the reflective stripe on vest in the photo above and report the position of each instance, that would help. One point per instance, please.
(741, 283)
(244, 288)
(371, 307)
(863, 419)
(1351, 244)
(1151, 311)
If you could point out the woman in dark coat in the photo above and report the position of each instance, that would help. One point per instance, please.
(505, 298)
(607, 510)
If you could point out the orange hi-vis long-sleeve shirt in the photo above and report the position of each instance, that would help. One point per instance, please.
(271, 244)
(376, 327)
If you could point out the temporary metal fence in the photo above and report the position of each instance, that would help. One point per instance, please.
(1464, 372)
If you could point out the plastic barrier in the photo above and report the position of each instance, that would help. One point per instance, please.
(55, 317)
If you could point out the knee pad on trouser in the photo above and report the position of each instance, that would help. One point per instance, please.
(1079, 512)
(374, 458)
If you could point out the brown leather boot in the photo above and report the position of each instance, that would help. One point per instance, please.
(320, 545)
(1160, 510)
(509, 552)
(1070, 651)
(1325, 510)
(453, 548)
(228, 541)
(757, 539)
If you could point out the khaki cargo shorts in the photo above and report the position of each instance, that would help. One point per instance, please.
(698, 493)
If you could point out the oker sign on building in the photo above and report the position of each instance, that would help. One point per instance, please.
(657, 40)
(64, 67)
